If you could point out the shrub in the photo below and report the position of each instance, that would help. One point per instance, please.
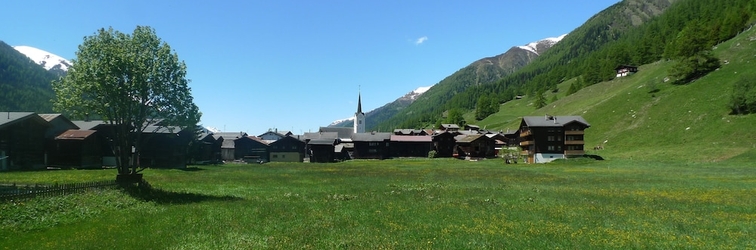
(743, 98)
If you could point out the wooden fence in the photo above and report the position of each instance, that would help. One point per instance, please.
(15, 192)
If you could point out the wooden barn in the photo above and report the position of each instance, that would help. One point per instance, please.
(411, 145)
(474, 146)
(323, 150)
(372, 145)
(76, 149)
(207, 149)
(251, 149)
(164, 147)
(22, 141)
(444, 144)
(287, 149)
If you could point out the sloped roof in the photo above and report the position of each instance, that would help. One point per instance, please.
(162, 129)
(88, 125)
(412, 138)
(469, 138)
(553, 121)
(229, 135)
(321, 135)
(342, 132)
(450, 126)
(51, 117)
(9, 118)
(373, 136)
(322, 141)
(73, 134)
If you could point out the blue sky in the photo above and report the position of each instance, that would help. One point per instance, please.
(298, 65)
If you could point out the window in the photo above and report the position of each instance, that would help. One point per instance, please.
(551, 148)
(552, 138)
(275, 156)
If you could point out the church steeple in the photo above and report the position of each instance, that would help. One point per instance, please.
(359, 117)
(359, 103)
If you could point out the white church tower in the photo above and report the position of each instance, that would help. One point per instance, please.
(359, 117)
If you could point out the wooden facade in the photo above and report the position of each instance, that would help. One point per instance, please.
(251, 149)
(164, 147)
(371, 145)
(444, 144)
(323, 150)
(411, 145)
(76, 149)
(546, 138)
(475, 146)
(287, 149)
(22, 141)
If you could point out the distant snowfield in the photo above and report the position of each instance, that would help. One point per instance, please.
(532, 47)
(44, 58)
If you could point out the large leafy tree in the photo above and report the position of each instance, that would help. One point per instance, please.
(132, 81)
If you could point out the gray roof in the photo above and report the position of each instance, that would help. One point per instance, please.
(342, 132)
(374, 136)
(553, 121)
(450, 126)
(162, 129)
(8, 118)
(322, 141)
(229, 135)
(321, 135)
(88, 125)
(228, 144)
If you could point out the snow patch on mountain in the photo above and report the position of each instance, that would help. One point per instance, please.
(336, 122)
(45, 59)
(533, 47)
(417, 92)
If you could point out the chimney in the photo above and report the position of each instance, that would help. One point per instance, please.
(555, 120)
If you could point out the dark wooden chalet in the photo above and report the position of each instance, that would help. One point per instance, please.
(449, 127)
(105, 136)
(251, 149)
(274, 135)
(165, 147)
(411, 145)
(76, 149)
(625, 70)
(372, 145)
(22, 141)
(546, 138)
(207, 149)
(309, 136)
(287, 149)
(474, 146)
(444, 144)
(228, 148)
(57, 125)
(323, 150)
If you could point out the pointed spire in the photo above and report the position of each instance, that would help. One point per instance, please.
(359, 103)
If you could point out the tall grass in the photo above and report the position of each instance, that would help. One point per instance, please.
(405, 203)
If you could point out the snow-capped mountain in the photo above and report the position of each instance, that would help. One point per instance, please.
(539, 46)
(388, 109)
(46, 59)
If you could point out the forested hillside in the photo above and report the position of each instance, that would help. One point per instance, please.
(24, 85)
(630, 32)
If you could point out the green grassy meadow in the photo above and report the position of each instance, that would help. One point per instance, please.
(398, 204)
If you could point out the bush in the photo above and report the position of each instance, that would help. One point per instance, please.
(432, 154)
(743, 98)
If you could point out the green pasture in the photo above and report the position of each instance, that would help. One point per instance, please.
(397, 204)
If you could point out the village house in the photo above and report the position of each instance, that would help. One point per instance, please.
(228, 148)
(22, 141)
(372, 145)
(164, 147)
(251, 149)
(57, 125)
(207, 149)
(546, 138)
(76, 149)
(474, 146)
(444, 143)
(625, 70)
(323, 150)
(410, 145)
(287, 149)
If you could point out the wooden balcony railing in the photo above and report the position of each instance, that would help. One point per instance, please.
(574, 132)
(525, 133)
(526, 143)
(574, 142)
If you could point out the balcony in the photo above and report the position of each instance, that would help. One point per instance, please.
(526, 133)
(574, 142)
(525, 152)
(526, 143)
(574, 152)
(574, 132)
